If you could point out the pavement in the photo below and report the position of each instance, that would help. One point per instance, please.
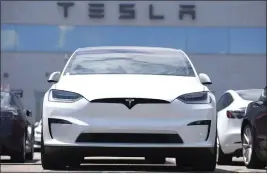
(115, 165)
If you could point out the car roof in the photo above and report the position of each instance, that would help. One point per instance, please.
(247, 94)
(244, 91)
(131, 49)
(248, 91)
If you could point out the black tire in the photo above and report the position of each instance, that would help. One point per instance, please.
(204, 163)
(29, 155)
(51, 161)
(20, 155)
(209, 164)
(156, 160)
(254, 162)
(222, 158)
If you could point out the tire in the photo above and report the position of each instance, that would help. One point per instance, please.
(29, 155)
(250, 158)
(51, 161)
(156, 160)
(204, 163)
(20, 155)
(222, 158)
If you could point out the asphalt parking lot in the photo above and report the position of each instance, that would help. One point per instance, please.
(117, 165)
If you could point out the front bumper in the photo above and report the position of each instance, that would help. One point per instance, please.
(231, 142)
(63, 124)
(129, 151)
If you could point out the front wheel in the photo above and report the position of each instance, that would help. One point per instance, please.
(19, 156)
(51, 161)
(204, 163)
(29, 155)
(250, 157)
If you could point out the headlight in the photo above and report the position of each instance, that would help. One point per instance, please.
(195, 98)
(63, 96)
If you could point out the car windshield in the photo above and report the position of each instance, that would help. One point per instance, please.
(250, 95)
(115, 62)
(4, 98)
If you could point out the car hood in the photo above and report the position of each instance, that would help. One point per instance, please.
(129, 86)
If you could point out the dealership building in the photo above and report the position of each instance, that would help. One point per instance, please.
(224, 39)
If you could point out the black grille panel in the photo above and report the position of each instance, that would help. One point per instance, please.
(128, 138)
(130, 102)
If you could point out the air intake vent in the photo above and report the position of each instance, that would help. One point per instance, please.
(128, 138)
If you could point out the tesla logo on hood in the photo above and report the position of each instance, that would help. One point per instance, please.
(130, 103)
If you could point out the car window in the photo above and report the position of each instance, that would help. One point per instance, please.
(16, 102)
(4, 98)
(224, 101)
(129, 62)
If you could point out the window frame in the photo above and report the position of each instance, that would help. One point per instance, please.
(229, 99)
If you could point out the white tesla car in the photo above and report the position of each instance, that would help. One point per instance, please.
(129, 101)
(231, 109)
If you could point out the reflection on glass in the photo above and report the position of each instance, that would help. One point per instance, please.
(150, 63)
(198, 40)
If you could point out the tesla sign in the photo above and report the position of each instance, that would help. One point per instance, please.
(127, 11)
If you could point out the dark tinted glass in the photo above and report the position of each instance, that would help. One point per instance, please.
(224, 101)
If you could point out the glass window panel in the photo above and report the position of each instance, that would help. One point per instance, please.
(248, 40)
(128, 36)
(9, 37)
(207, 40)
(210, 40)
(37, 38)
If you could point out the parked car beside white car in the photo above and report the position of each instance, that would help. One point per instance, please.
(231, 108)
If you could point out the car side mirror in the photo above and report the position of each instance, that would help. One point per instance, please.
(28, 113)
(204, 79)
(54, 77)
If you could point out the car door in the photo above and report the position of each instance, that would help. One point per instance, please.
(222, 120)
(29, 121)
(260, 116)
(21, 113)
